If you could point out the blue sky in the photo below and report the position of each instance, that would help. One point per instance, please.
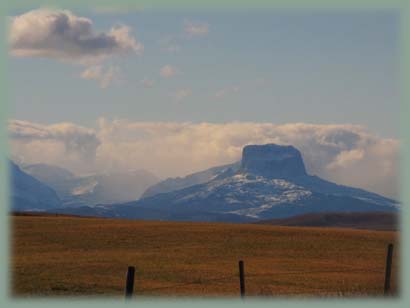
(271, 66)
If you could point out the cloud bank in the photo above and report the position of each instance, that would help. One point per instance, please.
(61, 35)
(347, 154)
(65, 144)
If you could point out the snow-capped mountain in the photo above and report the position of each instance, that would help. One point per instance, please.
(271, 182)
(177, 183)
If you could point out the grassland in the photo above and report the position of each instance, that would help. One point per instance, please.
(89, 256)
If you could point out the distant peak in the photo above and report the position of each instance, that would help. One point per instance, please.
(273, 161)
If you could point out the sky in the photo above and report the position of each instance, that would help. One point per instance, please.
(176, 91)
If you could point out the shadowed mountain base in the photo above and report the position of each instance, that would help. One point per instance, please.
(372, 221)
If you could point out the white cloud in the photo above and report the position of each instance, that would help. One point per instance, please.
(61, 35)
(148, 83)
(170, 44)
(104, 76)
(182, 94)
(168, 71)
(196, 28)
(173, 43)
(346, 154)
(226, 91)
(346, 158)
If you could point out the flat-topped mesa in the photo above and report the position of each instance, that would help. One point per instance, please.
(272, 161)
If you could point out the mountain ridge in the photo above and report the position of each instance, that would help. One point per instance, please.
(270, 183)
(28, 193)
(176, 183)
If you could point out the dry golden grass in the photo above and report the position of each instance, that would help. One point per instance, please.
(89, 256)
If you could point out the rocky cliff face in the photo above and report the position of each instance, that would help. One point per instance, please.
(272, 161)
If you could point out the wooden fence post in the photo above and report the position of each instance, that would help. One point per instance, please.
(129, 284)
(242, 278)
(388, 269)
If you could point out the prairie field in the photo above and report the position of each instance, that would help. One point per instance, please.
(72, 256)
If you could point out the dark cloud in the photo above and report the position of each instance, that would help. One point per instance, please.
(61, 35)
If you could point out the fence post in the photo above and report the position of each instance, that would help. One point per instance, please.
(129, 284)
(242, 278)
(388, 269)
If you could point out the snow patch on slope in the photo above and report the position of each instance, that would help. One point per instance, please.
(86, 189)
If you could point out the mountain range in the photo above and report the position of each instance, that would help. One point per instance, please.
(76, 191)
(270, 182)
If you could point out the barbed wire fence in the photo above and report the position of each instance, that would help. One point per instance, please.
(387, 291)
